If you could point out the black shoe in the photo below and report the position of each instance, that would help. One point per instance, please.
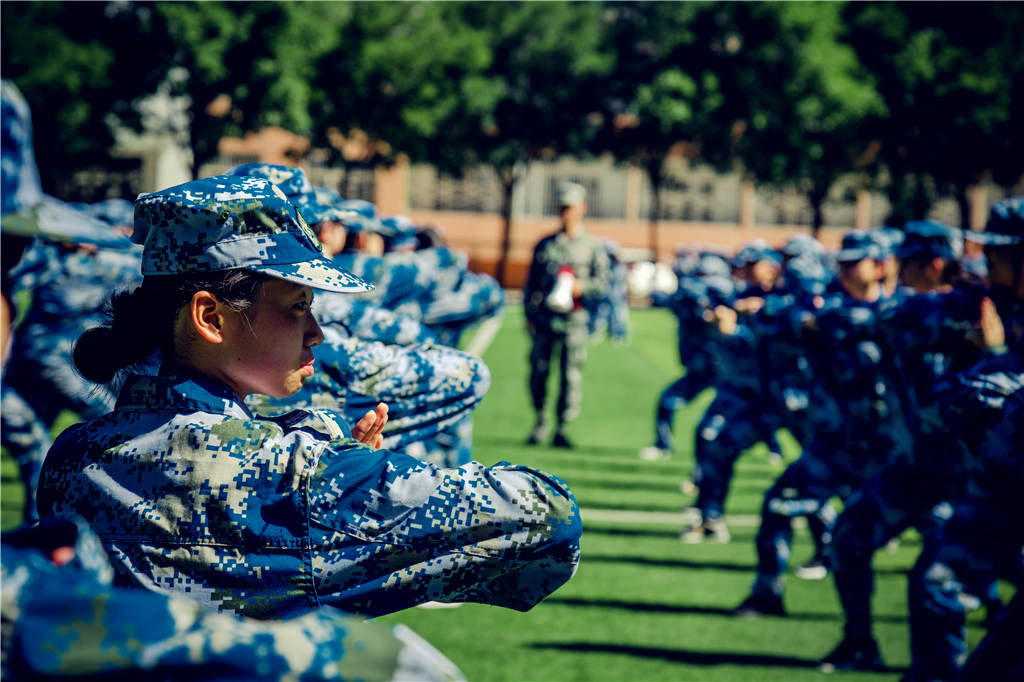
(760, 605)
(560, 441)
(853, 654)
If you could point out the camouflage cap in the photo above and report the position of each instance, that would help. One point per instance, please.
(712, 265)
(233, 221)
(1005, 224)
(21, 186)
(26, 210)
(801, 243)
(889, 239)
(399, 224)
(806, 274)
(289, 179)
(755, 251)
(362, 215)
(931, 239)
(296, 186)
(860, 244)
(571, 194)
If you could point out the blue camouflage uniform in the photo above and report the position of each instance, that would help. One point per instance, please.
(70, 621)
(984, 538)
(982, 541)
(699, 291)
(432, 285)
(855, 423)
(192, 494)
(365, 320)
(368, 357)
(610, 314)
(742, 412)
(69, 288)
(927, 337)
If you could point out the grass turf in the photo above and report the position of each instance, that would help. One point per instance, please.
(643, 606)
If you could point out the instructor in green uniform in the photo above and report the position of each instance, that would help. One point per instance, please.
(569, 267)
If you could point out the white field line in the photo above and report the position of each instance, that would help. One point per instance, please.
(669, 518)
(485, 335)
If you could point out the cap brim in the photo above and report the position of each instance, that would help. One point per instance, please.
(991, 238)
(56, 220)
(319, 273)
(851, 255)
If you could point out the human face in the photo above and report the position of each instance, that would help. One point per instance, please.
(763, 274)
(332, 235)
(268, 350)
(859, 273)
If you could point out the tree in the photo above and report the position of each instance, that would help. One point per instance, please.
(807, 95)
(79, 85)
(536, 99)
(402, 72)
(665, 89)
(248, 65)
(950, 75)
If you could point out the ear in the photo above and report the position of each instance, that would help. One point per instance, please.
(207, 316)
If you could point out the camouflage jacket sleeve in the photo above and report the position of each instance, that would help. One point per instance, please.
(998, 474)
(369, 321)
(538, 281)
(598, 280)
(427, 388)
(477, 296)
(267, 518)
(391, 532)
(70, 620)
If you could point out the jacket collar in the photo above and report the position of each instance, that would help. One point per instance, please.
(180, 393)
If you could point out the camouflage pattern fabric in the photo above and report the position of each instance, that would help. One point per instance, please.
(365, 320)
(571, 348)
(474, 298)
(983, 541)
(192, 495)
(732, 424)
(27, 438)
(21, 186)
(564, 333)
(71, 621)
(855, 427)
(591, 267)
(432, 286)
(224, 222)
(691, 303)
(69, 289)
(610, 314)
(948, 415)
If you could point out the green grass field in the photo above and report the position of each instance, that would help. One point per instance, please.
(643, 606)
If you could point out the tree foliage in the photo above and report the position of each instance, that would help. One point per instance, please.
(924, 99)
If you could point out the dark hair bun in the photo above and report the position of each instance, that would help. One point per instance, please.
(95, 357)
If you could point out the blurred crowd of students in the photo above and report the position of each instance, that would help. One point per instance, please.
(896, 364)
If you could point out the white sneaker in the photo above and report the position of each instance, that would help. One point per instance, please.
(815, 569)
(652, 453)
(688, 487)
